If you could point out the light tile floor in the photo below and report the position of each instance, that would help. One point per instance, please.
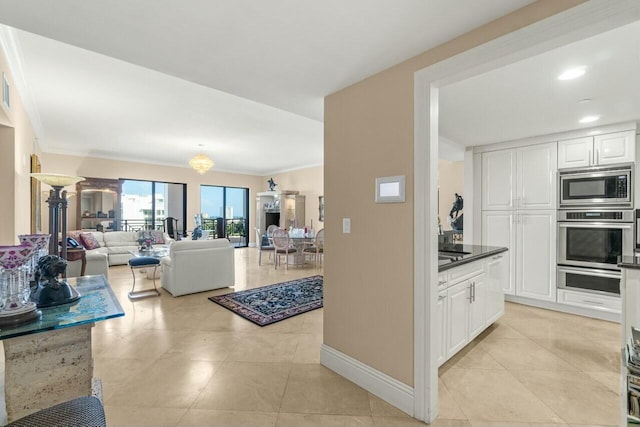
(188, 362)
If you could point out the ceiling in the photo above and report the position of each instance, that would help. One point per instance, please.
(526, 98)
(150, 80)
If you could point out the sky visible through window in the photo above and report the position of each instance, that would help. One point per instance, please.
(211, 199)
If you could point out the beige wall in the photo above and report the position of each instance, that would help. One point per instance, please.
(17, 143)
(368, 294)
(115, 169)
(450, 181)
(309, 182)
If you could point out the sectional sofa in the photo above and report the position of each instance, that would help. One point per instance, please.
(109, 248)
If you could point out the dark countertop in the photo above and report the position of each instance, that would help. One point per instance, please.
(629, 262)
(473, 253)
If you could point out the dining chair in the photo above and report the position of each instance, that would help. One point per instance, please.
(282, 246)
(317, 250)
(259, 243)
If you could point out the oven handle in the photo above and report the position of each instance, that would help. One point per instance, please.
(595, 225)
(590, 272)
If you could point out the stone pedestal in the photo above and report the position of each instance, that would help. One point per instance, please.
(47, 368)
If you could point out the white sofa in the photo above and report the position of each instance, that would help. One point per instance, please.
(118, 244)
(197, 266)
(97, 263)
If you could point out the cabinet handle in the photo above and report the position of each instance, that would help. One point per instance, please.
(593, 302)
(441, 297)
(598, 156)
(442, 282)
(474, 291)
(589, 156)
(497, 257)
(470, 293)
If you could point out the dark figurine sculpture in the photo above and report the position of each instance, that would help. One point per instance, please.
(197, 233)
(457, 222)
(272, 184)
(49, 289)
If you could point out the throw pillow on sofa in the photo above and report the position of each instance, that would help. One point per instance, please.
(89, 241)
(157, 237)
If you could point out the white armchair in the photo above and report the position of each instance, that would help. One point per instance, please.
(197, 266)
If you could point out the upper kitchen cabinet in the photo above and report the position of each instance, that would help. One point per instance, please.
(607, 149)
(520, 178)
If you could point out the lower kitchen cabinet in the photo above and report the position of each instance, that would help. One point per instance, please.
(458, 298)
(472, 301)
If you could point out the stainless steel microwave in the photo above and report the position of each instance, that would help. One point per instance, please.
(596, 187)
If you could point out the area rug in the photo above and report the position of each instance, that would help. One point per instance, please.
(272, 303)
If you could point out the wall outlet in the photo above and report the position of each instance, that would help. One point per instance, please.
(346, 225)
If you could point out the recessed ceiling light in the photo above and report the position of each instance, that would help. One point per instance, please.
(572, 73)
(589, 119)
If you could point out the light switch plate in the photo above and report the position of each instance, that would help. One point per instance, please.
(346, 225)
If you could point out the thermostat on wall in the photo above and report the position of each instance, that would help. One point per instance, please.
(390, 189)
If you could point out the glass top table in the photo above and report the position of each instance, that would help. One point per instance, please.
(97, 302)
(154, 253)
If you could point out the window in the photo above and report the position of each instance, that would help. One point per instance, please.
(225, 213)
(146, 205)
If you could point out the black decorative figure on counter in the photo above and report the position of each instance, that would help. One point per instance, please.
(272, 184)
(457, 222)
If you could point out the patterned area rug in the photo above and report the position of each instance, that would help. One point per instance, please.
(272, 303)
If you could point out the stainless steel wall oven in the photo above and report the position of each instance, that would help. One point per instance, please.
(589, 243)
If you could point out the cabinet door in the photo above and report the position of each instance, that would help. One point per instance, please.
(619, 147)
(498, 180)
(537, 166)
(441, 328)
(457, 317)
(478, 305)
(575, 153)
(498, 229)
(497, 275)
(536, 255)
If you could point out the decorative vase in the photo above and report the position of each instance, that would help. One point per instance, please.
(41, 242)
(15, 306)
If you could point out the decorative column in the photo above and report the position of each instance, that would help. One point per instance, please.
(57, 208)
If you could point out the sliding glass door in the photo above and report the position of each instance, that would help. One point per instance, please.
(225, 213)
(147, 204)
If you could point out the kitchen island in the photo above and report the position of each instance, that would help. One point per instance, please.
(470, 294)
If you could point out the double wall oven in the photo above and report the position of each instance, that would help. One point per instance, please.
(595, 226)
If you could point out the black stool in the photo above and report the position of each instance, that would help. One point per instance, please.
(144, 262)
(81, 412)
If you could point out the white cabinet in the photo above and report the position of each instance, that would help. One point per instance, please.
(471, 302)
(498, 180)
(499, 229)
(575, 153)
(536, 255)
(497, 277)
(531, 239)
(458, 317)
(606, 149)
(614, 148)
(531, 263)
(477, 305)
(441, 329)
(522, 178)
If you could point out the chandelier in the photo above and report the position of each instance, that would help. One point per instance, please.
(201, 163)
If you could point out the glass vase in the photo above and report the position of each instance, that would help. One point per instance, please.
(14, 285)
(41, 242)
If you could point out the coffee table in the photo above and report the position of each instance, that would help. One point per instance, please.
(154, 253)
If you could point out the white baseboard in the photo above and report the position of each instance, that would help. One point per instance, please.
(596, 314)
(375, 382)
